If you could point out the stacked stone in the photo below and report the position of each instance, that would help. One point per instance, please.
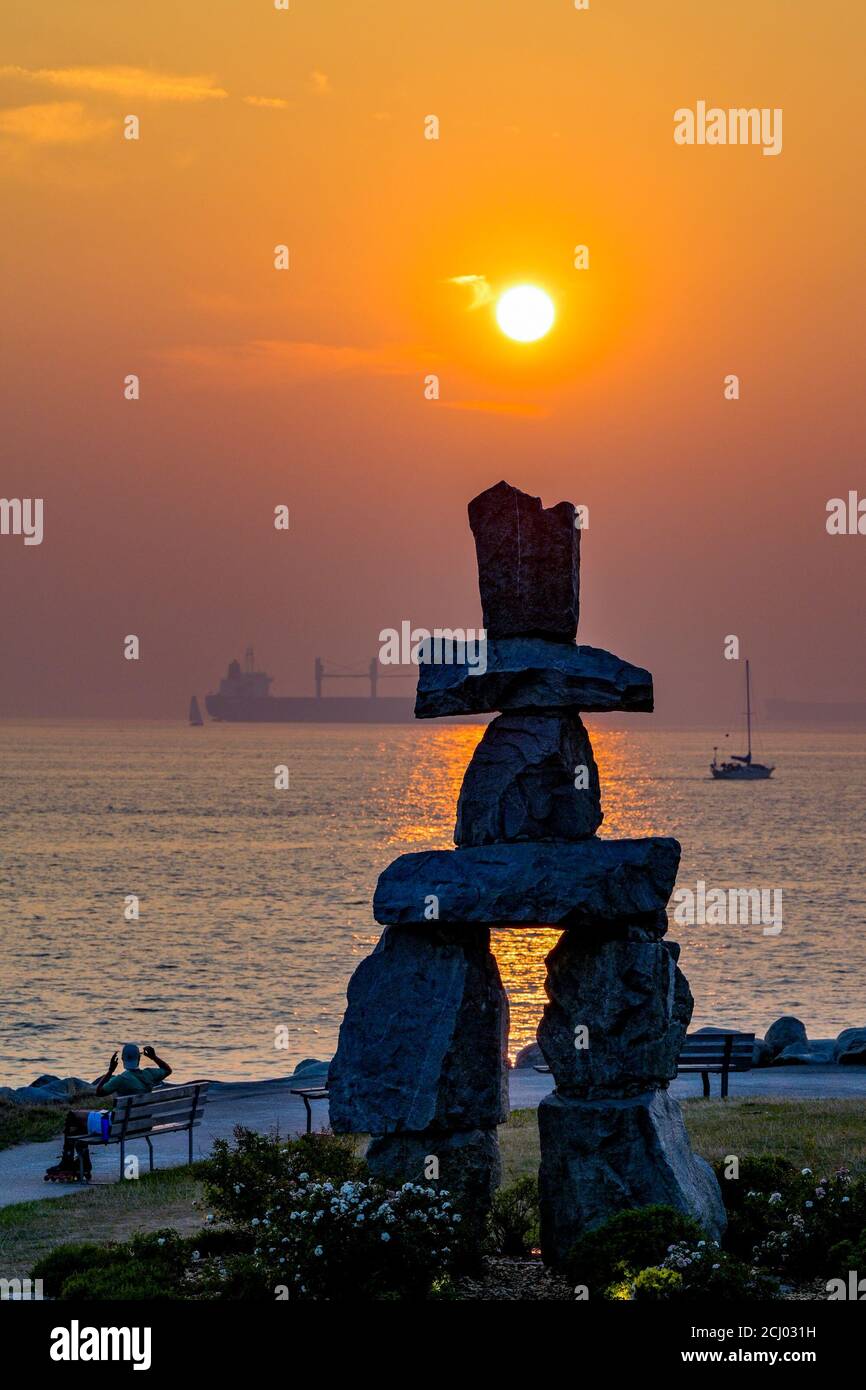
(420, 1062)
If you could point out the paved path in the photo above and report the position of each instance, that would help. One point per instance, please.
(266, 1105)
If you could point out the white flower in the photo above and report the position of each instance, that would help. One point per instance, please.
(209, 1217)
(255, 1221)
(161, 1240)
(195, 1255)
(806, 1172)
(303, 1177)
(318, 1250)
(775, 1197)
(385, 1235)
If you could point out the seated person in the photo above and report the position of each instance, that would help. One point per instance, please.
(133, 1080)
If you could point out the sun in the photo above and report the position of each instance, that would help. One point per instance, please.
(525, 313)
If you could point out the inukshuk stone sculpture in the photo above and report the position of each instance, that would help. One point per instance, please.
(420, 1062)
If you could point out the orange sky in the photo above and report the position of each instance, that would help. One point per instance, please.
(305, 387)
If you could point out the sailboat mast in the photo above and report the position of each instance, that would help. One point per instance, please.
(748, 710)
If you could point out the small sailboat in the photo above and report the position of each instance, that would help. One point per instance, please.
(741, 768)
(195, 718)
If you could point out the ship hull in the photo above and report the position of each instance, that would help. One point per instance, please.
(291, 709)
(755, 773)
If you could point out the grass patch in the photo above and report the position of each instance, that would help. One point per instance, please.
(31, 1124)
(818, 1134)
(114, 1211)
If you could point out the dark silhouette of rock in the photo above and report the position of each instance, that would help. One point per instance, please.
(528, 564)
(850, 1049)
(521, 783)
(532, 675)
(585, 883)
(814, 1054)
(785, 1031)
(529, 1056)
(600, 1157)
(616, 1017)
(423, 1043)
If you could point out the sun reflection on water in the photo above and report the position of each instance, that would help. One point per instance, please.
(423, 818)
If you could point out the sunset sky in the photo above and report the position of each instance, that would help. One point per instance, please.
(306, 387)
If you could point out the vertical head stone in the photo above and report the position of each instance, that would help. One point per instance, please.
(528, 564)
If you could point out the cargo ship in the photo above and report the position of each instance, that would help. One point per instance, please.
(244, 697)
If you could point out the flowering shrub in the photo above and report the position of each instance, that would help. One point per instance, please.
(807, 1220)
(357, 1240)
(243, 1178)
(707, 1271)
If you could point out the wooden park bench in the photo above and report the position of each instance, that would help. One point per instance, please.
(308, 1093)
(166, 1110)
(720, 1053)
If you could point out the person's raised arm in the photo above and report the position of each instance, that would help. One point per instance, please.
(149, 1052)
(112, 1068)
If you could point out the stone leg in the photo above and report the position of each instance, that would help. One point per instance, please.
(600, 1157)
(468, 1165)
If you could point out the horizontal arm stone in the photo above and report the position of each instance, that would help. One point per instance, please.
(531, 674)
(530, 883)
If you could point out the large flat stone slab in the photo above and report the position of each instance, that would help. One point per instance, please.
(599, 1158)
(424, 1039)
(528, 564)
(531, 884)
(531, 674)
(532, 777)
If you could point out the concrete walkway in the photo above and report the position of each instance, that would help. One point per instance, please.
(266, 1105)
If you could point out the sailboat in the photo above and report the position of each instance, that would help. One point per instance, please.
(741, 768)
(195, 718)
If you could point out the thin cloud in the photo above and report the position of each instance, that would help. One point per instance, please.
(270, 103)
(478, 284)
(264, 361)
(53, 123)
(320, 82)
(124, 82)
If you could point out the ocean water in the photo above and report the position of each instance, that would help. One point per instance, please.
(255, 903)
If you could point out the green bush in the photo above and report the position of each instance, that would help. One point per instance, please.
(765, 1173)
(626, 1244)
(243, 1178)
(806, 1222)
(707, 1271)
(118, 1281)
(64, 1261)
(657, 1283)
(360, 1241)
(514, 1217)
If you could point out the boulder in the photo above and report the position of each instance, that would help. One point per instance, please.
(807, 1054)
(588, 883)
(423, 1042)
(529, 1056)
(528, 564)
(785, 1031)
(616, 1017)
(310, 1066)
(531, 674)
(599, 1158)
(469, 1165)
(850, 1049)
(762, 1053)
(520, 784)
